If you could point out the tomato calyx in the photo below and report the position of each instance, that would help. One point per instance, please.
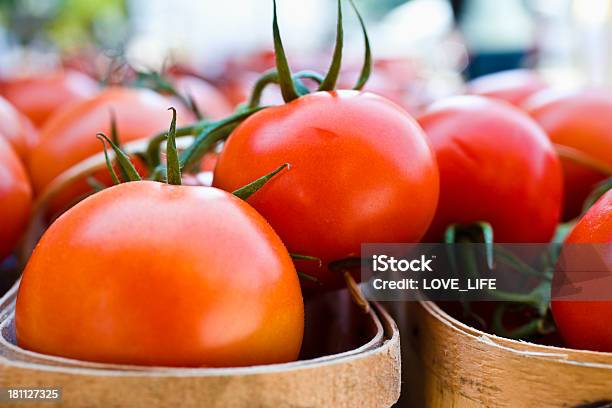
(537, 301)
(290, 84)
(174, 164)
(123, 160)
(272, 77)
(245, 192)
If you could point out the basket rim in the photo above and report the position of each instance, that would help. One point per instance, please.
(564, 355)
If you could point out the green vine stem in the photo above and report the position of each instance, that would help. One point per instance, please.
(208, 138)
(271, 77)
(153, 153)
(331, 78)
(173, 173)
(300, 257)
(366, 69)
(282, 65)
(454, 232)
(310, 278)
(115, 138)
(122, 159)
(535, 327)
(487, 236)
(109, 165)
(247, 191)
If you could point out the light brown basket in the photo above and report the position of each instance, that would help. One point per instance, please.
(449, 364)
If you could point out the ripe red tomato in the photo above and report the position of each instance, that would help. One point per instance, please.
(580, 121)
(70, 136)
(586, 324)
(154, 274)
(513, 86)
(17, 129)
(496, 165)
(210, 101)
(15, 198)
(38, 97)
(361, 171)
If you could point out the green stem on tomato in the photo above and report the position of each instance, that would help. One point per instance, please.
(487, 235)
(366, 69)
(173, 167)
(282, 65)
(532, 328)
(271, 77)
(247, 191)
(329, 83)
(300, 257)
(123, 160)
(153, 153)
(109, 165)
(211, 134)
(116, 139)
(310, 278)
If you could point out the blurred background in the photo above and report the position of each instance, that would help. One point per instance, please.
(424, 49)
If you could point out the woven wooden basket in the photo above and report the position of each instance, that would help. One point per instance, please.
(349, 358)
(449, 364)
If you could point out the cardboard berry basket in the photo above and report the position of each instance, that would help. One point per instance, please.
(450, 364)
(349, 357)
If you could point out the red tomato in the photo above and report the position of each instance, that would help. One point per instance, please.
(69, 136)
(38, 97)
(17, 129)
(15, 198)
(586, 324)
(581, 121)
(361, 171)
(210, 101)
(154, 274)
(513, 86)
(496, 165)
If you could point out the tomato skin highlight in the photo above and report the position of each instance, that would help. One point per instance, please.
(15, 198)
(496, 165)
(40, 96)
(579, 120)
(361, 170)
(17, 129)
(586, 324)
(154, 274)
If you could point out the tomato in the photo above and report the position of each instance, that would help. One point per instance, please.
(211, 102)
(496, 165)
(580, 121)
(17, 129)
(38, 97)
(361, 170)
(586, 324)
(154, 274)
(513, 86)
(70, 136)
(15, 198)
